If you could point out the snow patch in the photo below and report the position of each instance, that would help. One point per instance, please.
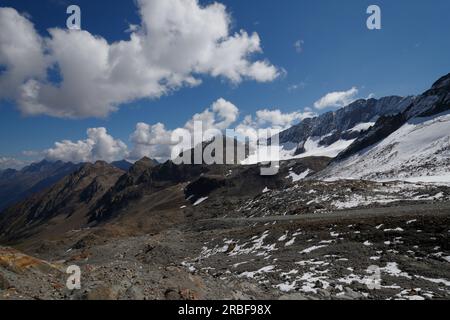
(199, 201)
(311, 249)
(298, 177)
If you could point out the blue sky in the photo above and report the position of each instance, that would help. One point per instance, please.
(338, 53)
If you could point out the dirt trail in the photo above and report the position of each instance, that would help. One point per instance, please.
(427, 209)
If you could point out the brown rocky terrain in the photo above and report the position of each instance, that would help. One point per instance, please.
(61, 208)
(225, 232)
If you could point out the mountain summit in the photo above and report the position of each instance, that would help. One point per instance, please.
(18, 185)
(413, 144)
(332, 132)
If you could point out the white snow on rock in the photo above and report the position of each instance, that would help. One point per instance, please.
(417, 152)
(394, 230)
(286, 287)
(312, 149)
(252, 274)
(283, 237)
(393, 270)
(406, 295)
(362, 127)
(199, 201)
(298, 177)
(290, 242)
(438, 281)
(311, 249)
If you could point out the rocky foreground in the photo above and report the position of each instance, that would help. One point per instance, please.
(313, 240)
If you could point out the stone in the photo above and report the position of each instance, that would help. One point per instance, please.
(4, 283)
(352, 294)
(102, 293)
(135, 293)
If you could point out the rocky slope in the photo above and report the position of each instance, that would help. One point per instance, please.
(100, 194)
(332, 132)
(412, 144)
(249, 248)
(166, 231)
(62, 207)
(17, 185)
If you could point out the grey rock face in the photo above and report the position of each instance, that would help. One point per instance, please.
(430, 103)
(336, 125)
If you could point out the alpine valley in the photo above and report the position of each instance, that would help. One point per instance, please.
(361, 191)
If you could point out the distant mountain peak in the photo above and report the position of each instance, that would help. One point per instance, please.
(16, 185)
(88, 168)
(71, 195)
(413, 143)
(147, 161)
(442, 82)
(122, 164)
(332, 132)
(101, 163)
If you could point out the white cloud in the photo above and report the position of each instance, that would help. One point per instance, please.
(176, 42)
(31, 153)
(277, 119)
(155, 141)
(11, 163)
(151, 141)
(337, 99)
(20, 52)
(273, 120)
(132, 28)
(220, 116)
(99, 145)
(298, 45)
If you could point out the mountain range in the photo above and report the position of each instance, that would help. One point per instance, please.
(390, 137)
(413, 144)
(17, 185)
(346, 196)
(332, 132)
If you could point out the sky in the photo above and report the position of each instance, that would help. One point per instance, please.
(140, 70)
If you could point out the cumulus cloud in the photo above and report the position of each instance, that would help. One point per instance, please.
(99, 145)
(155, 141)
(20, 52)
(152, 141)
(176, 43)
(220, 116)
(272, 120)
(278, 119)
(337, 99)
